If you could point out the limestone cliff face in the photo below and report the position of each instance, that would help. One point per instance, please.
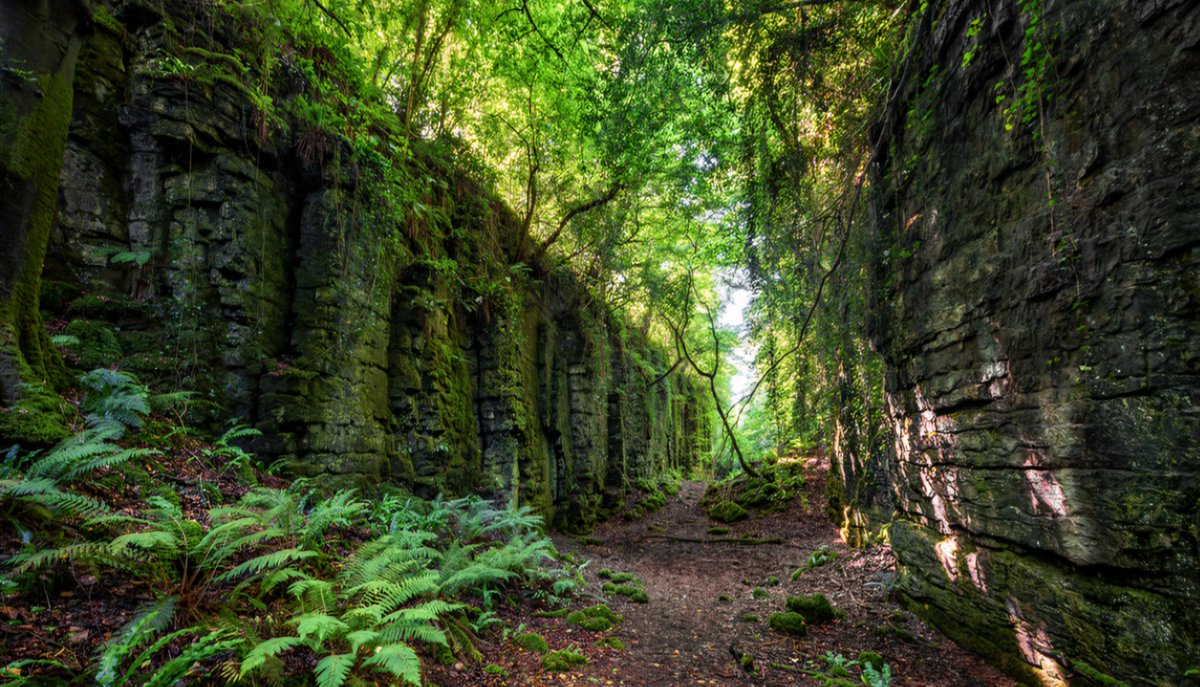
(199, 240)
(1039, 299)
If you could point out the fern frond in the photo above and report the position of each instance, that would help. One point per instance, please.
(205, 647)
(332, 670)
(392, 594)
(147, 622)
(269, 648)
(146, 541)
(398, 660)
(275, 559)
(319, 626)
(405, 632)
(360, 638)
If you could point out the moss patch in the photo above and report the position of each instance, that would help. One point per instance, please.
(595, 618)
(563, 660)
(634, 594)
(788, 623)
(727, 512)
(616, 577)
(531, 641)
(815, 609)
(612, 643)
(870, 658)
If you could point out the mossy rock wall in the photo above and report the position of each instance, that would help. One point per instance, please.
(416, 350)
(1039, 315)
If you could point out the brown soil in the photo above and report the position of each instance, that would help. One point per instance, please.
(688, 634)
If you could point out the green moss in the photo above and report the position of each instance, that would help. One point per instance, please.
(870, 658)
(727, 512)
(612, 643)
(747, 663)
(771, 581)
(34, 160)
(589, 541)
(1095, 675)
(559, 613)
(493, 669)
(617, 577)
(718, 531)
(563, 660)
(443, 655)
(724, 598)
(595, 618)
(816, 609)
(788, 623)
(634, 594)
(531, 641)
(749, 618)
(759, 593)
(39, 417)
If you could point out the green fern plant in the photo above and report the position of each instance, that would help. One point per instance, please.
(226, 455)
(366, 619)
(114, 401)
(146, 641)
(36, 497)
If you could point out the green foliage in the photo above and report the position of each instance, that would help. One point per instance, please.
(870, 658)
(146, 640)
(227, 454)
(820, 556)
(872, 677)
(114, 401)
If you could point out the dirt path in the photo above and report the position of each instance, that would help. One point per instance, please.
(689, 633)
(704, 611)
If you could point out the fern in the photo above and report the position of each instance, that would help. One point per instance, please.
(115, 401)
(398, 660)
(267, 562)
(319, 626)
(333, 670)
(257, 657)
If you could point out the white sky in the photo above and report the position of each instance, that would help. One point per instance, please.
(735, 301)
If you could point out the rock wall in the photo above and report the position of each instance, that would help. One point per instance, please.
(203, 244)
(1037, 207)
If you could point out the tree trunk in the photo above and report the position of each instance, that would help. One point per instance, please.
(39, 43)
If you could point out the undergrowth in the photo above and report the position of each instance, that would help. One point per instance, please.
(282, 579)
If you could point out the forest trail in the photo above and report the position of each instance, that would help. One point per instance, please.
(703, 607)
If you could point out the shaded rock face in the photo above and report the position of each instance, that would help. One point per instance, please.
(228, 255)
(1039, 300)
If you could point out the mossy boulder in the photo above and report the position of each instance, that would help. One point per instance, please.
(815, 609)
(531, 641)
(788, 623)
(595, 618)
(727, 512)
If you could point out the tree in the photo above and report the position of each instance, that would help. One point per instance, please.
(41, 41)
